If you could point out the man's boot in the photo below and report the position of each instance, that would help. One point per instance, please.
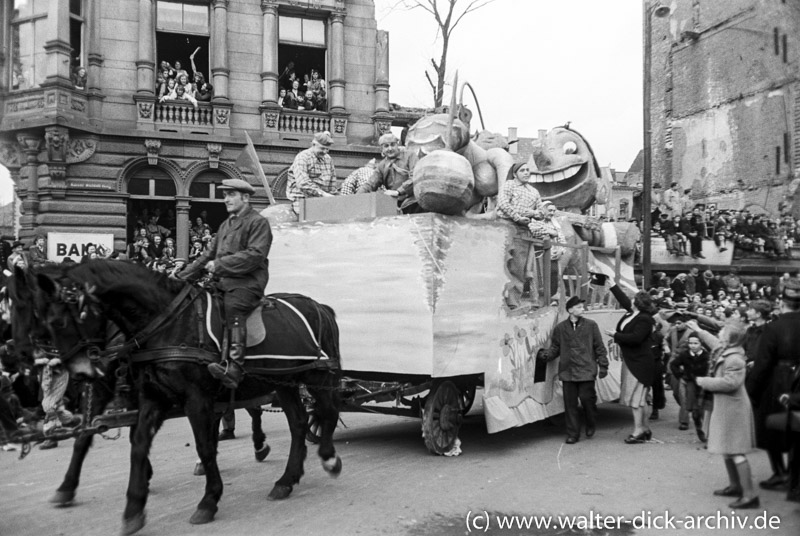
(230, 371)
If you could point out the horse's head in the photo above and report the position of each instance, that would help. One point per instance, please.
(25, 330)
(69, 312)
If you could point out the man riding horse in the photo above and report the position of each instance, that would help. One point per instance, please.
(238, 257)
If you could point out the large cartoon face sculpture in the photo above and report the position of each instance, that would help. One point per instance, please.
(430, 133)
(565, 171)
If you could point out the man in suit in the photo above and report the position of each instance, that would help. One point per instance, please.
(579, 344)
(776, 359)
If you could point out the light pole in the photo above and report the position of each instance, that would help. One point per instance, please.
(650, 10)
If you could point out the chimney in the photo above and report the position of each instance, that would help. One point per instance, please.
(513, 148)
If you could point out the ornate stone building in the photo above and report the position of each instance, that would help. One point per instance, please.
(93, 156)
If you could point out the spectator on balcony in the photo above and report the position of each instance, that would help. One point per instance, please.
(293, 98)
(309, 102)
(292, 79)
(306, 85)
(179, 70)
(188, 86)
(318, 87)
(204, 91)
(281, 96)
(79, 77)
(312, 173)
(165, 67)
(181, 96)
(168, 90)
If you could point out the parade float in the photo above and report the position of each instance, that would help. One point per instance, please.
(443, 313)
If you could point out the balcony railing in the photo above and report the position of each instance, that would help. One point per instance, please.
(301, 122)
(181, 114)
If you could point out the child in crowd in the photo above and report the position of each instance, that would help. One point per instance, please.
(691, 363)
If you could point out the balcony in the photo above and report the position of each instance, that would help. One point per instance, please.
(42, 106)
(206, 118)
(284, 123)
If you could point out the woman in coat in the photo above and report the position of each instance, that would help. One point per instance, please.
(731, 430)
(634, 337)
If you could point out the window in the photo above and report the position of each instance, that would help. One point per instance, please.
(204, 186)
(777, 160)
(301, 48)
(76, 34)
(151, 183)
(623, 210)
(28, 36)
(182, 29)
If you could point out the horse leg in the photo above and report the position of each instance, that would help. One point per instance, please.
(200, 411)
(65, 493)
(259, 437)
(297, 418)
(199, 470)
(326, 407)
(151, 417)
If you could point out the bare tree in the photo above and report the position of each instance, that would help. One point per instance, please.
(447, 14)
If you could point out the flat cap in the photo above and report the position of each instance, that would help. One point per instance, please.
(237, 184)
(791, 292)
(573, 301)
(323, 138)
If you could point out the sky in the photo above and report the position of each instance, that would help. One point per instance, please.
(534, 64)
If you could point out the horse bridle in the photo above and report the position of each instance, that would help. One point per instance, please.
(74, 297)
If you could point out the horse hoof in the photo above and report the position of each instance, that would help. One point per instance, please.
(133, 525)
(201, 517)
(199, 470)
(62, 498)
(262, 453)
(279, 492)
(333, 466)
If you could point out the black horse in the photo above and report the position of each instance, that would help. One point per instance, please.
(30, 338)
(165, 321)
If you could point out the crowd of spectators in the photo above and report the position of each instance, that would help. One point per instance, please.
(310, 94)
(684, 225)
(175, 84)
(154, 241)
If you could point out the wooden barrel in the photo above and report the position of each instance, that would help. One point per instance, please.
(443, 182)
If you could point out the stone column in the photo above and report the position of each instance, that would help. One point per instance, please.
(269, 52)
(382, 71)
(95, 63)
(182, 206)
(5, 31)
(57, 46)
(30, 145)
(219, 61)
(336, 82)
(146, 60)
(382, 119)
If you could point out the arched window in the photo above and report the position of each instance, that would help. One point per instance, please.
(151, 183)
(204, 186)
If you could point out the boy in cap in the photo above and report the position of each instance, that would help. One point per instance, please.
(237, 255)
(312, 173)
(579, 344)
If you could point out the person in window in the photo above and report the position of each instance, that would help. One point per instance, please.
(319, 89)
(199, 226)
(165, 67)
(292, 80)
(306, 86)
(182, 96)
(156, 249)
(204, 91)
(153, 228)
(183, 80)
(168, 91)
(281, 96)
(168, 252)
(309, 103)
(79, 77)
(179, 70)
(197, 249)
(293, 98)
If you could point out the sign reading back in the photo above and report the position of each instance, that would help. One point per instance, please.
(75, 245)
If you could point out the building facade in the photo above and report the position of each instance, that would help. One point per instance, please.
(90, 155)
(725, 97)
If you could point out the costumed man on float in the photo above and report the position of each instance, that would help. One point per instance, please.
(238, 257)
(394, 173)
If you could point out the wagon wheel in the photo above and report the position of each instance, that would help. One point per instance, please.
(442, 418)
(467, 398)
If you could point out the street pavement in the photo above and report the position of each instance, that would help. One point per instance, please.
(390, 485)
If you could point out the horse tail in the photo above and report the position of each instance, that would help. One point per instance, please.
(329, 331)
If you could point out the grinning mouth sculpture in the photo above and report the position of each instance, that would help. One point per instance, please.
(564, 170)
